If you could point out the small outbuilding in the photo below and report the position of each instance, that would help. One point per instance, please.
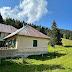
(6, 30)
(28, 40)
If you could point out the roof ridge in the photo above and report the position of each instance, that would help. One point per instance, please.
(16, 32)
(22, 28)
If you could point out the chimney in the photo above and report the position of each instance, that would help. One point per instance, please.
(24, 24)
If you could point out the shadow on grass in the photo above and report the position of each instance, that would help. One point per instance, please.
(46, 56)
(10, 66)
(67, 46)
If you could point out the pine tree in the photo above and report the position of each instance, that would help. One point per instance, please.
(38, 28)
(1, 19)
(58, 37)
(12, 22)
(55, 35)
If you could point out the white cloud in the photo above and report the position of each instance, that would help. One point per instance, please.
(30, 9)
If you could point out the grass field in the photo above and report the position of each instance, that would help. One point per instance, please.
(57, 62)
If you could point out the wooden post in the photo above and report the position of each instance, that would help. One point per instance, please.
(23, 59)
(54, 51)
(66, 51)
(0, 60)
(50, 47)
(56, 56)
(42, 55)
(8, 44)
(57, 50)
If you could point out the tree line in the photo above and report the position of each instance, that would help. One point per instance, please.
(55, 33)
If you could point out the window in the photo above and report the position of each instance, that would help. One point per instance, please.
(10, 43)
(34, 43)
(14, 42)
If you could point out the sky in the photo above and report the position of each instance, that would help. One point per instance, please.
(39, 12)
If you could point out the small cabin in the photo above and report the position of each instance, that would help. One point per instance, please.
(28, 40)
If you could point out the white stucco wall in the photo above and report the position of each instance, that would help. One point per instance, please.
(25, 44)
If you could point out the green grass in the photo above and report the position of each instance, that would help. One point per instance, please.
(57, 62)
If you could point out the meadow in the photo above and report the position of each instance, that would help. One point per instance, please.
(60, 61)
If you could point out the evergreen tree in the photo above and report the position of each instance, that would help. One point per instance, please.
(43, 30)
(38, 28)
(1, 19)
(66, 35)
(58, 37)
(18, 24)
(55, 35)
(70, 36)
(15, 23)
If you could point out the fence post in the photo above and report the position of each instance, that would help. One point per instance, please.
(42, 55)
(54, 51)
(57, 50)
(66, 51)
(50, 47)
(0, 60)
(56, 56)
(22, 59)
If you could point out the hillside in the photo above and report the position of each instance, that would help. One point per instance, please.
(57, 62)
(67, 42)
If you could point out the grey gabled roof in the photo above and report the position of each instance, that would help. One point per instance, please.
(28, 31)
(7, 28)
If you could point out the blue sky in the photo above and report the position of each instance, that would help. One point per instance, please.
(61, 12)
(58, 10)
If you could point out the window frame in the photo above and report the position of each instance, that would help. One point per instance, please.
(36, 44)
